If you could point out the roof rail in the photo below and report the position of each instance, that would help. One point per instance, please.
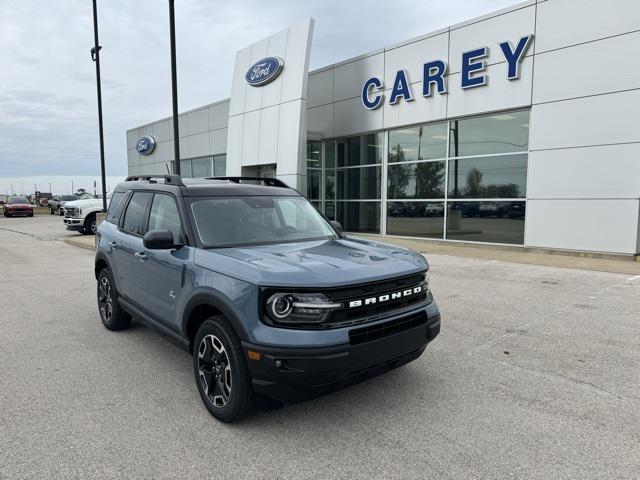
(168, 179)
(268, 181)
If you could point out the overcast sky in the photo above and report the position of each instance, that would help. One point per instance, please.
(48, 117)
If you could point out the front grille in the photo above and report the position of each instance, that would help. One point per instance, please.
(381, 330)
(71, 212)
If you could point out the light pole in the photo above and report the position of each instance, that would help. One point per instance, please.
(95, 56)
(174, 88)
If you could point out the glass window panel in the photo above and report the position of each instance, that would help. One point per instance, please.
(488, 177)
(135, 218)
(220, 165)
(185, 169)
(330, 154)
(500, 133)
(497, 222)
(418, 143)
(313, 154)
(359, 183)
(201, 167)
(313, 184)
(359, 216)
(416, 180)
(361, 150)
(416, 219)
(164, 216)
(330, 210)
(330, 184)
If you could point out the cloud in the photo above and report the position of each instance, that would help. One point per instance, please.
(48, 114)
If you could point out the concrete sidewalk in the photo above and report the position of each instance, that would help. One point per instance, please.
(586, 261)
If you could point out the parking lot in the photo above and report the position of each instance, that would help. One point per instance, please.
(536, 374)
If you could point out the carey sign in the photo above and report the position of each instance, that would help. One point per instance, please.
(145, 145)
(264, 71)
(434, 74)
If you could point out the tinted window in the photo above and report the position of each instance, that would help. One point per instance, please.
(416, 219)
(68, 198)
(488, 177)
(201, 167)
(500, 133)
(416, 180)
(498, 222)
(361, 150)
(135, 218)
(220, 165)
(359, 216)
(115, 207)
(313, 153)
(313, 184)
(164, 216)
(418, 143)
(359, 183)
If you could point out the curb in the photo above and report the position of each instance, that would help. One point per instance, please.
(79, 243)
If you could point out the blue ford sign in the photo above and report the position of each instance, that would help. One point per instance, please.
(145, 145)
(264, 71)
(434, 74)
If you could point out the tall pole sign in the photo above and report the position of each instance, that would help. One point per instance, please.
(95, 56)
(174, 89)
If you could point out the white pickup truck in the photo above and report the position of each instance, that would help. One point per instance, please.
(80, 215)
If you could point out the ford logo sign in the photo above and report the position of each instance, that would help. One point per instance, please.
(145, 145)
(264, 71)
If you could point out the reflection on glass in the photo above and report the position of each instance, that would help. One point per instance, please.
(496, 222)
(418, 143)
(185, 169)
(359, 216)
(201, 167)
(359, 183)
(330, 184)
(500, 133)
(313, 184)
(313, 153)
(361, 150)
(488, 177)
(220, 165)
(330, 154)
(416, 180)
(330, 210)
(416, 219)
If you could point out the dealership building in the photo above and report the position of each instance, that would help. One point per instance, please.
(519, 127)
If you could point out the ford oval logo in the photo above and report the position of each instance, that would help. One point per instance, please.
(145, 145)
(264, 71)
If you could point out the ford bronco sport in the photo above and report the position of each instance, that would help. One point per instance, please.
(269, 297)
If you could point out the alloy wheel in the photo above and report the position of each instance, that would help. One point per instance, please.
(214, 369)
(105, 299)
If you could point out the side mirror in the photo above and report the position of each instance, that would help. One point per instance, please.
(159, 240)
(337, 226)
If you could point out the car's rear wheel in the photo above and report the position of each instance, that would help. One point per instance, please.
(112, 315)
(221, 371)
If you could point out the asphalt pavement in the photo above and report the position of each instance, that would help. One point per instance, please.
(536, 374)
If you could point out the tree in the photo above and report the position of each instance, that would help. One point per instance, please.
(474, 183)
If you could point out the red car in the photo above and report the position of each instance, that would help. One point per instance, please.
(18, 206)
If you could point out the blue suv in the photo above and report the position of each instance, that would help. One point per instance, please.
(270, 298)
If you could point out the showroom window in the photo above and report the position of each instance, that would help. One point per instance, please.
(463, 179)
(210, 166)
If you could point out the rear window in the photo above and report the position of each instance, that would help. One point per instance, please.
(115, 207)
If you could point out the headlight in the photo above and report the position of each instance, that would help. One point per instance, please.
(299, 308)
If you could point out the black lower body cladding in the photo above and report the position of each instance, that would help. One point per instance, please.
(297, 374)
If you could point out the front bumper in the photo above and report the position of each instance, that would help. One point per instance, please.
(296, 374)
(20, 213)
(74, 223)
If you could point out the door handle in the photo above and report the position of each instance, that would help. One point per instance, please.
(112, 244)
(141, 256)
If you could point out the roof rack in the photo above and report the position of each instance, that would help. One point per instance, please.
(268, 181)
(168, 179)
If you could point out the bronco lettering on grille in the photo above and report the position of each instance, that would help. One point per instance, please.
(386, 297)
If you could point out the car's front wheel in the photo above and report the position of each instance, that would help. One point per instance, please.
(221, 371)
(111, 313)
(90, 225)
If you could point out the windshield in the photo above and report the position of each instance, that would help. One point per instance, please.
(245, 221)
(68, 198)
(18, 201)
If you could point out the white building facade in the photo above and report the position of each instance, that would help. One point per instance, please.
(519, 127)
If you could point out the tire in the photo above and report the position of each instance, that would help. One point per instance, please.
(90, 225)
(112, 315)
(218, 360)
(51, 211)
(31, 215)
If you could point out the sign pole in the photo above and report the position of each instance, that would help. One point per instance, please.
(95, 56)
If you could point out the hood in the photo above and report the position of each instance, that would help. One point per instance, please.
(83, 203)
(326, 263)
(18, 206)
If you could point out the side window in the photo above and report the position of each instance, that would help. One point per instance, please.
(115, 207)
(135, 218)
(164, 216)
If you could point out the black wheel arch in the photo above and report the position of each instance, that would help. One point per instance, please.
(102, 262)
(204, 305)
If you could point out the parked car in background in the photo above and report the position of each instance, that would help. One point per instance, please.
(18, 206)
(56, 204)
(80, 215)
